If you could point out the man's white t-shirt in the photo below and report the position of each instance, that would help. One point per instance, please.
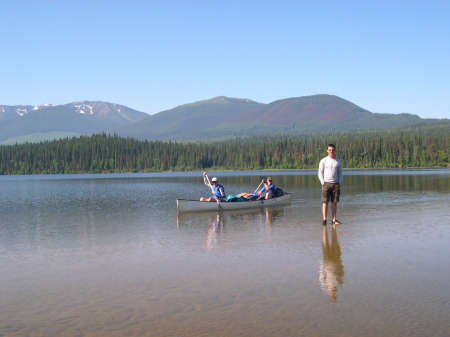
(330, 171)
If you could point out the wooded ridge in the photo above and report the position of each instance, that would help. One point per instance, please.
(414, 146)
(224, 117)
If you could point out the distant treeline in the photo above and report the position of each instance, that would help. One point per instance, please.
(109, 153)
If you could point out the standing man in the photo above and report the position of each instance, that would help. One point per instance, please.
(330, 175)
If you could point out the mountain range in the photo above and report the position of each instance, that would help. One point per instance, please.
(48, 121)
(219, 117)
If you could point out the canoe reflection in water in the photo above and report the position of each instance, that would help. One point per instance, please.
(256, 220)
(331, 269)
(216, 224)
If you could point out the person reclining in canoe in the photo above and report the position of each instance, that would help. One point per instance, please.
(268, 191)
(218, 191)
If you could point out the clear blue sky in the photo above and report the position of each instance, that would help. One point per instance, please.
(386, 56)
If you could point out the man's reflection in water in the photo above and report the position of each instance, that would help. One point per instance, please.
(216, 224)
(331, 269)
(269, 215)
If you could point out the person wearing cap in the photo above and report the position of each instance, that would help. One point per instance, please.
(218, 191)
(269, 188)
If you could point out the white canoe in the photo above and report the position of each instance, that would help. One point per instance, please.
(184, 205)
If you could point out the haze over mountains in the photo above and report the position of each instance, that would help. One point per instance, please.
(219, 117)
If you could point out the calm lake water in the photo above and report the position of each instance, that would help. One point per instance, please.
(108, 255)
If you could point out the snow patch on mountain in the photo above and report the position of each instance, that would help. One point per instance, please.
(83, 108)
(42, 106)
(21, 111)
(120, 110)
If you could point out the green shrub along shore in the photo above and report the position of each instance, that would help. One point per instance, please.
(408, 147)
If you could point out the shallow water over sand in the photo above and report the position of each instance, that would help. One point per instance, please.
(107, 255)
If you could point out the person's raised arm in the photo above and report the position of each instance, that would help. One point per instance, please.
(206, 180)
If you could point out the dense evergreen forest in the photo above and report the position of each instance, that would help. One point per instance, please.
(414, 147)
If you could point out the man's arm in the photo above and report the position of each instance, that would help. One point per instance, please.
(320, 172)
(340, 176)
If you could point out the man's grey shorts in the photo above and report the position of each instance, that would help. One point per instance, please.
(331, 192)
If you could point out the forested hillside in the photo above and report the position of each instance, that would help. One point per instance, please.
(225, 117)
(413, 147)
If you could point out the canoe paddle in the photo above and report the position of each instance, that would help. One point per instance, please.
(258, 186)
